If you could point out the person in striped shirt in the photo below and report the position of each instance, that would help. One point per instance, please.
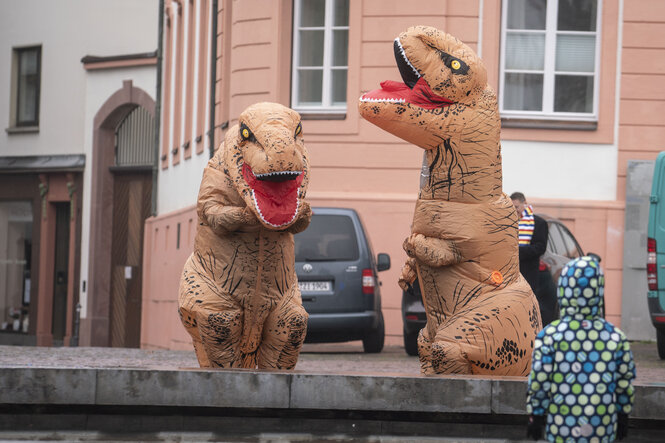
(532, 239)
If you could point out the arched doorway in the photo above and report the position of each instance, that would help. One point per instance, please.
(132, 196)
(123, 156)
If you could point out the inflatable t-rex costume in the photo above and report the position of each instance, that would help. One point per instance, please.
(239, 296)
(482, 316)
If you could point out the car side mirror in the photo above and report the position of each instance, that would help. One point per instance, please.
(383, 262)
(594, 256)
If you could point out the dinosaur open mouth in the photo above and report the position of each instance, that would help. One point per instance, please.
(414, 90)
(275, 195)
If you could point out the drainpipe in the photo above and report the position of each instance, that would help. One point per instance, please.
(158, 106)
(74, 341)
(213, 77)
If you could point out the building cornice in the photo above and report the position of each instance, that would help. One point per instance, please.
(93, 62)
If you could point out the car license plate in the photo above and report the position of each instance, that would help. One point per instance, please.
(315, 286)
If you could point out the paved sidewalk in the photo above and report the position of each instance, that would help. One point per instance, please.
(335, 358)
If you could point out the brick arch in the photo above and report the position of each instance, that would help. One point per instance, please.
(95, 327)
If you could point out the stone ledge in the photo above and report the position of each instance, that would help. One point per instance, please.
(282, 390)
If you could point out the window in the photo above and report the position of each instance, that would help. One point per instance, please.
(573, 250)
(549, 59)
(27, 69)
(555, 242)
(135, 138)
(327, 238)
(320, 53)
(15, 251)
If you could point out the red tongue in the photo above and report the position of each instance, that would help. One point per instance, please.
(421, 95)
(277, 202)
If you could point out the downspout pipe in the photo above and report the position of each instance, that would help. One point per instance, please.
(158, 106)
(213, 76)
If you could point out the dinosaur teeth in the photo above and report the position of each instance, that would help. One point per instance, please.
(382, 100)
(278, 175)
(401, 50)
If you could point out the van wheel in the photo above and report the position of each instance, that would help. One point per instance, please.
(373, 341)
(660, 341)
(411, 343)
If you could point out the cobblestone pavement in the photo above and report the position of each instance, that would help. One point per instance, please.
(326, 358)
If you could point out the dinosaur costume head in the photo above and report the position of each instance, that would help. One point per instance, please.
(267, 161)
(438, 71)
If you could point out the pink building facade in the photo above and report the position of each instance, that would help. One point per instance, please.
(568, 155)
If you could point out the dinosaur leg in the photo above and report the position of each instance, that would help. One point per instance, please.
(441, 355)
(425, 353)
(283, 335)
(212, 319)
(493, 339)
(220, 331)
(447, 355)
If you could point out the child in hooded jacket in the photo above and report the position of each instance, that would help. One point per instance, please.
(580, 385)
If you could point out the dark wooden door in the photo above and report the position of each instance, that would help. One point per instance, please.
(61, 271)
(131, 206)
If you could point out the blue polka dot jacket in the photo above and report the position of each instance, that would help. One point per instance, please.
(582, 367)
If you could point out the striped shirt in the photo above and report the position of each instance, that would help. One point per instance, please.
(526, 226)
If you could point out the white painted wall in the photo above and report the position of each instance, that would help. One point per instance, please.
(68, 30)
(178, 186)
(560, 170)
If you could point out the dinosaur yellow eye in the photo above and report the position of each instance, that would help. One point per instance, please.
(455, 64)
(298, 129)
(245, 133)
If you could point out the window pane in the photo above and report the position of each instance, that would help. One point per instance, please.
(15, 252)
(28, 62)
(339, 87)
(28, 86)
(341, 13)
(311, 48)
(577, 15)
(310, 86)
(523, 92)
(340, 48)
(328, 237)
(525, 51)
(312, 13)
(575, 53)
(558, 246)
(573, 93)
(527, 14)
(571, 246)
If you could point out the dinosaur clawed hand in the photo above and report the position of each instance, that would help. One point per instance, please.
(435, 252)
(408, 275)
(410, 242)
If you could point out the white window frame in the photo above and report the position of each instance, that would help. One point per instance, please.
(549, 72)
(326, 94)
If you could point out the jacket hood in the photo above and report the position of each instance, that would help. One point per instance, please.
(581, 288)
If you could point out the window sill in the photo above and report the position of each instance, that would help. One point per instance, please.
(22, 130)
(322, 116)
(525, 123)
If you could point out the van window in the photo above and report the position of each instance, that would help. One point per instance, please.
(327, 238)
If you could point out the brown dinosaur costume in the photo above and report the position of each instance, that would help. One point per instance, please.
(239, 296)
(482, 317)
